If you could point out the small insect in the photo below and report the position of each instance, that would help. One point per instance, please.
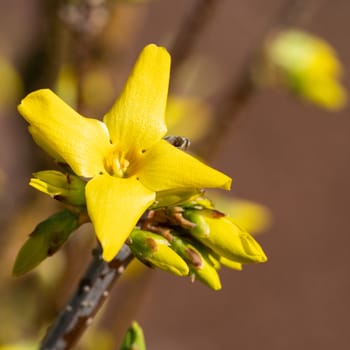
(179, 142)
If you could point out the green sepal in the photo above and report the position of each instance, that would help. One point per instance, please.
(46, 239)
(64, 187)
(153, 249)
(174, 197)
(221, 234)
(134, 338)
(199, 202)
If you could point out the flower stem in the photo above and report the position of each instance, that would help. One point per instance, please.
(92, 291)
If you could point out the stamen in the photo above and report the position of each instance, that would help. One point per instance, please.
(116, 164)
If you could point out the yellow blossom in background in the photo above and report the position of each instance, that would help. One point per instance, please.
(96, 85)
(124, 158)
(66, 84)
(305, 64)
(97, 88)
(11, 85)
(188, 116)
(19, 346)
(252, 216)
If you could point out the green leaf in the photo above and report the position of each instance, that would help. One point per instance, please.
(46, 239)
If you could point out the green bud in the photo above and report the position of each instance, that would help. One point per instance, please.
(224, 237)
(202, 264)
(154, 249)
(134, 339)
(67, 188)
(45, 240)
(174, 197)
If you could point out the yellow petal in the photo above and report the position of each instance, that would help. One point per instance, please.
(165, 167)
(114, 206)
(136, 120)
(65, 134)
(41, 141)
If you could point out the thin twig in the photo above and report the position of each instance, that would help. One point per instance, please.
(88, 298)
(298, 12)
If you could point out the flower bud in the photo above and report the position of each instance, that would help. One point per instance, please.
(45, 240)
(154, 249)
(67, 188)
(202, 265)
(134, 338)
(224, 237)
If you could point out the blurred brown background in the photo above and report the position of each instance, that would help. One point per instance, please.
(285, 154)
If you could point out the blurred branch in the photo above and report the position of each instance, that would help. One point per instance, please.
(42, 65)
(194, 23)
(88, 298)
(298, 12)
(85, 20)
(240, 90)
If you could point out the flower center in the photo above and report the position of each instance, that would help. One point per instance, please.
(116, 164)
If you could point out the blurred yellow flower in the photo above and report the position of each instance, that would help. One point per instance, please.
(19, 346)
(251, 216)
(307, 65)
(188, 116)
(11, 85)
(124, 157)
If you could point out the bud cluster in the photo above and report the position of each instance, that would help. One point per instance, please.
(181, 233)
(194, 239)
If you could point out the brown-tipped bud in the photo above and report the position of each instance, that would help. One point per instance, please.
(66, 188)
(199, 260)
(154, 250)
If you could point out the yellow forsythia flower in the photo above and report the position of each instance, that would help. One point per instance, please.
(124, 158)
